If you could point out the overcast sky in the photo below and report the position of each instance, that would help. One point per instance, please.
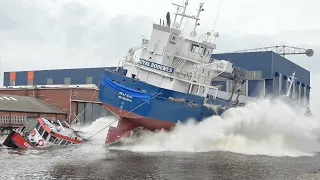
(46, 34)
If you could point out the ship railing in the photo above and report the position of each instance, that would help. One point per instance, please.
(187, 75)
(198, 38)
(179, 61)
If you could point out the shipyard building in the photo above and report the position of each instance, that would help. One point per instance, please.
(267, 74)
(17, 111)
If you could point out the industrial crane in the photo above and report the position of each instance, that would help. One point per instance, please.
(282, 50)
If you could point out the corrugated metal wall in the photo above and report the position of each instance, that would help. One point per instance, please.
(269, 85)
(256, 88)
(6, 78)
(21, 78)
(286, 67)
(93, 111)
(275, 71)
(78, 76)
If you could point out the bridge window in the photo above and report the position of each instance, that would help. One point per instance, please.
(68, 142)
(197, 49)
(41, 130)
(45, 135)
(57, 141)
(63, 142)
(209, 53)
(52, 139)
(38, 126)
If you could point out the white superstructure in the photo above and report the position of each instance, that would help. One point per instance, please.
(178, 59)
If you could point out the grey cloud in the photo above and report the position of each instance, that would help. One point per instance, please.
(75, 36)
(6, 22)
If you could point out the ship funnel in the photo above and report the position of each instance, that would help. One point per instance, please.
(168, 19)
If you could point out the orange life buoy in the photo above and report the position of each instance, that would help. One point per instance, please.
(41, 142)
(34, 132)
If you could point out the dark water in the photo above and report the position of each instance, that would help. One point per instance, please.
(92, 161)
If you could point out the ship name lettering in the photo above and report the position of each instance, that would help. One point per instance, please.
(156, 66)
(125, 96)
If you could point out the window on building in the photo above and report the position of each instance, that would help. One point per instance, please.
(49, 81)
(89, 80)
(243, 88)
(30, 82)
(67, 80)
(254, 74)
(12, 82)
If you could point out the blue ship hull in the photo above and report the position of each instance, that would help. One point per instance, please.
(143, 105)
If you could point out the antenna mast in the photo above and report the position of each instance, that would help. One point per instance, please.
(193, 34)
(183, 12)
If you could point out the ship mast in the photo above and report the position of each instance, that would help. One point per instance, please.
(183, 14)
(193, 33)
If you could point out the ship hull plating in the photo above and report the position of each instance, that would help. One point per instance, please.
(139, 104)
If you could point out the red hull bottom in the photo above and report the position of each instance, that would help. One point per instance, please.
(130, 122)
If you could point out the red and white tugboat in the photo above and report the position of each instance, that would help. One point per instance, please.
(45, 133)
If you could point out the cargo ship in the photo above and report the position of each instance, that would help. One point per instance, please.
(174, 79)
(171, 81)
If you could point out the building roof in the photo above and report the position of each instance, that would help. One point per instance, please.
(26, 104)
(58, 86)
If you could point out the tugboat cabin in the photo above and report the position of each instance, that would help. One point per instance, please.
(49, 133)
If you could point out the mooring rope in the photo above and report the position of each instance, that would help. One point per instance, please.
(85, 106)
(125, 114)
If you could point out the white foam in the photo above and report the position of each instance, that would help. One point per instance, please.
(264, 128)
(97, 125)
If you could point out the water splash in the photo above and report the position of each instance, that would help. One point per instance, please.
(89, 130)
(267, 127)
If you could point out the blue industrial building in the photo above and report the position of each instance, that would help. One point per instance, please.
(267, 74)
(54, 77)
